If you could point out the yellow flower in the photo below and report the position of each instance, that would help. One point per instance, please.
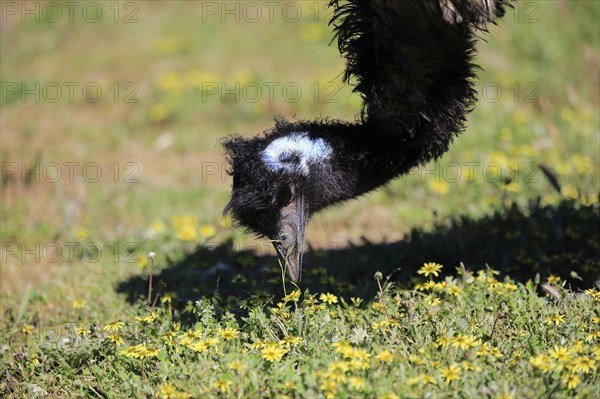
(338, 367)
(185, 227)
(291, 341)
(78, 303)
(188, 337)
(420, 286)
(356, 301)
(293, 296)
(223, 385)
(237, 366)
(168, 391)
(506, 133)
(206, 231)
(359, 354)
(583, 364)
(142, 261)
(385, 356)
(147, 319)
(559, 353)
(358, 364)
(467, 366)
(430, 268)
(336, 375)
(34, 359)
(380, 325)
(453, 290)
(414, 359)
(592, 292)
(556, 320)
(542, 362)
(145, 352)
(450, 373)
(553, 279)
(157, 226)
(187, 233)
(83, 331)
(570, 192)
(432, 301)
(440, 187)
(343, 348)
(513, 187)
(421, 378)
(582, 164)
(356, 383)
(170, 81)
(520, 117)
(592, 336)
(81, 233)
(509, 287)
(328, 298)
(273, 352)
(166, 298)
(27, 329)
(495, 352)
(199, 346)
(229, 333)
(158, 112)
(329, 387)
(571, 381)
(226, 221)
(168, 336)
(115, 338)
(258, 344)
(464, 341)
(139, 351)
(388, 396)
(114, 326)
(197, 77)
(281, 310)
(577, 347)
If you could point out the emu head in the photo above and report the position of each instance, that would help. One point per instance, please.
(277, 184)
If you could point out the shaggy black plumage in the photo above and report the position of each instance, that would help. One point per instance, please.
(411, 61)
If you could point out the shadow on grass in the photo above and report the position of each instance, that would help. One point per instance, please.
(562, 240)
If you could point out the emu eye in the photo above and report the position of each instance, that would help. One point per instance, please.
(284, 195)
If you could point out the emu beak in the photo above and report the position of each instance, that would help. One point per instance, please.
(290, 241)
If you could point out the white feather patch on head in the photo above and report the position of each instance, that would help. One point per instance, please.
(279, 153)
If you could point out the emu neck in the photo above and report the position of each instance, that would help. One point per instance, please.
(363, 161)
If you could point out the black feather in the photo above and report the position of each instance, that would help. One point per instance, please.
(412, 63)
(412, 67)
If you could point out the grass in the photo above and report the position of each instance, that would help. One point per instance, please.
(471, 335)
(518, 191)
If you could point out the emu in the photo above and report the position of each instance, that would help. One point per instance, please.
(411, 62)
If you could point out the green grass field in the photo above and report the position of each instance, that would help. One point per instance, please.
(111, 116)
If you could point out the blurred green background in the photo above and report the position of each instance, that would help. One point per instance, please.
(177, 76)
